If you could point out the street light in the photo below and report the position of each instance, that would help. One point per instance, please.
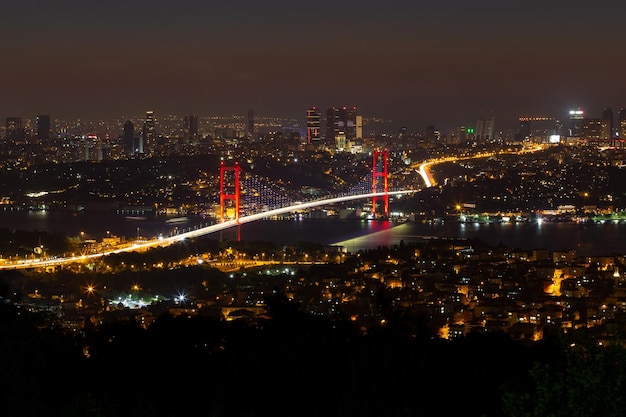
(90, 289)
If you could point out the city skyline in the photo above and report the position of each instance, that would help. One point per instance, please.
(442, 64)
(247, 122)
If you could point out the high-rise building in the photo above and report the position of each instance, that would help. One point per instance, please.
(485, 129)
(432, 135)
(191, 128)
(592, 130)
(128, 138)
(461, 135)
(312, 125)
(138, 144)
(341, 124)
(607, 123)
(576, 120)
(347, 118)
(524, 128)
(14, 131)
(359, 127)
(43, 128)
(622, 123)
(332, 124)
(537, 128)
(149, 133)
(92, 148)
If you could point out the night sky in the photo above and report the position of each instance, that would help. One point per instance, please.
(415, 62)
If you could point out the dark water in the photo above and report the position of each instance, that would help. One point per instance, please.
(586, 238)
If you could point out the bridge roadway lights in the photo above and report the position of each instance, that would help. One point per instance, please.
(164, 241)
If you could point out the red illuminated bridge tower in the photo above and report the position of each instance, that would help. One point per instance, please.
(233, 196)
(376, 173)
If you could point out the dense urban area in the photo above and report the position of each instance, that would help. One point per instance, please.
(246, 328)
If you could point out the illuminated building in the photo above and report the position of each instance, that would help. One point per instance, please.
(460, 136)
(607, 123)
(149, 133)
(359, 127)
(592, 129)
(538, 128)
(622, 123)
(576, 118)
(348, 120)
(312, 125)
(43, 128)
(341, 125)
(92, 148)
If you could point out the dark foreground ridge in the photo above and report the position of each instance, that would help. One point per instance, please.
(293, 364)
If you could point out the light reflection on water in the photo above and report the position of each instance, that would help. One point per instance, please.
(585, 238)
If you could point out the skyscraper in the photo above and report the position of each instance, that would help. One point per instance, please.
(129, 138)
(485, 128)
(592, 130)
(312, 125)
(341, 125)
(43, 128)
(538, 128)
(347, 116)
(524, 128)
(359, 127)
(332, 124)
(149, 133)
(191, 128)
(607, 123)
(622, 123)
(576, 119)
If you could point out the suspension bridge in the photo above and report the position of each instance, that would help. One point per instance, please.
(243, 195)
(261, 201)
